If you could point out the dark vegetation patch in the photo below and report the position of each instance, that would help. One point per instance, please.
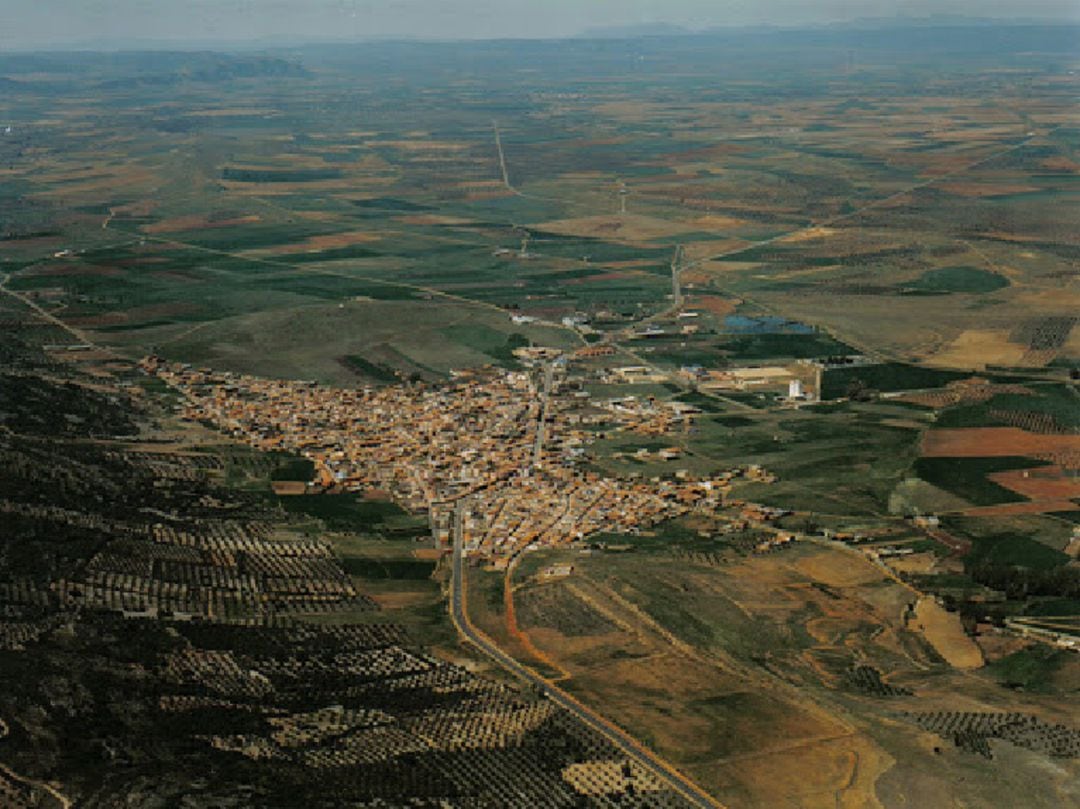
(293, 467)
(1049, 408)
(1031, 669)
(733, 421)
(496, 344)
(1070, 516)
(31, 405)
(1054, 607)
(342, 512)
(390, 204)
(1044, 334)
(372, 370)
(956, 279)
(335, 287)
(237, 175)
(967, 477)
(333, 254)
(885, 377)
(1016, 550)
(702, 401)
(373, 568)
(796, 346)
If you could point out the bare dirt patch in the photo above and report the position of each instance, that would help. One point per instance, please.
(615, 275)
(696, 251)
(975, 190)
(993, 442)
(995, 646)
(197, 222)
(718, 222)
(807, 235)
(946, 635)
(1043, 483)
(978, 348)
(1060, 163)
(915, 563)
(329, 241)
(629, 227)
(838, 569)
(434, 219)
(965, 391)
(837, 773)
(1018, 509)
(715, 304)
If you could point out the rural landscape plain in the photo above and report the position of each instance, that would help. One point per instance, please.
(620, 422)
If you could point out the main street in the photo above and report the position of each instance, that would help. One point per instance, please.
(629, 746)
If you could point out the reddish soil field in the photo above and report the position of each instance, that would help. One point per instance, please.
(76, 269)
(1044, 483)
(963, 392)
(985, 189)
(714, 304)
(991, 442)
(327, 242)
(196, 222)
(607, 276)
(1011, 509)
(1066, 457)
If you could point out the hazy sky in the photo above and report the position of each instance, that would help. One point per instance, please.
(30, 23)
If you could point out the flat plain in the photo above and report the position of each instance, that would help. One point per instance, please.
(888, 218)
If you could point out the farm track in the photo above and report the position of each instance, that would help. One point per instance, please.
(352, 277)
(833, 220)
(520, 636)
(839, 218)
(505, 172)
(52, 319)
(633, 749)
(617, 339)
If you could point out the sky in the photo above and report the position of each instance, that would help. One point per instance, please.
(57, 23)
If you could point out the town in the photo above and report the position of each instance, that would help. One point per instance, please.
(510, 444)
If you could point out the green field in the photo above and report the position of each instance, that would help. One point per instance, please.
(967, 477)
(885, 378)
(386, 212)
(1057, 403)
(1015, 550)
(343, 512)
(956, 279)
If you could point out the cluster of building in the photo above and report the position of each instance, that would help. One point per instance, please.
(506, 444)
(800, 380)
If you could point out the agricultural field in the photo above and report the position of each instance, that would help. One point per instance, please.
(770, 675)
(842, 203)
(167, 613)
(887, 219)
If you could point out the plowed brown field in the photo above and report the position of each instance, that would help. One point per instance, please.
(991, 442)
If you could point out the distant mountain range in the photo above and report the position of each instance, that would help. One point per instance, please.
(642, 30)
(648, 30)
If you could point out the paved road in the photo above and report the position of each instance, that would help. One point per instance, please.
(630, 747)
(545, 398)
